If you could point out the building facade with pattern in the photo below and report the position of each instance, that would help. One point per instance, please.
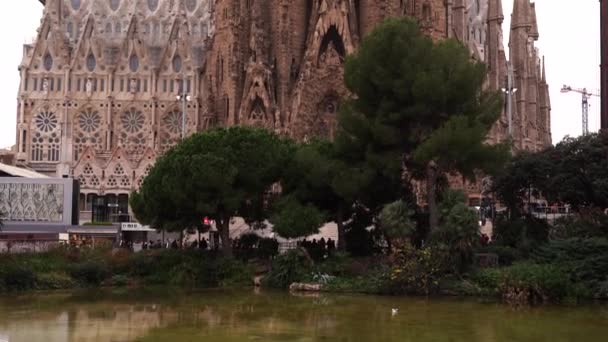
(97, 99)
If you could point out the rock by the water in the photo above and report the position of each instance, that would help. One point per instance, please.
(304, 287)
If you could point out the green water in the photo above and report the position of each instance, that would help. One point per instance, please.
(176, 316)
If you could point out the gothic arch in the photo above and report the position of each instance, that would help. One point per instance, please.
(332, 25)
(171, 128)
(258, 116)
(119, 173)
(88, 171)
(257, 104)
(133, 127)
(331, 44)
(144, 166)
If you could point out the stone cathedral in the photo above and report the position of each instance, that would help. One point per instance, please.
(99, 86)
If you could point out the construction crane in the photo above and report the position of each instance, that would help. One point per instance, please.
(585, 103)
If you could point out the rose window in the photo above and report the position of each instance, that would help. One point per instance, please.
(132, 121)
(173, 121)
(46, 121)
(89, 121)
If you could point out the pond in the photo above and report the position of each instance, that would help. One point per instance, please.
(219, 315)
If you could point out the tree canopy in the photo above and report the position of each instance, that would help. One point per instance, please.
(416, 103)
(573, 172)
(221, 173)
(317, 177)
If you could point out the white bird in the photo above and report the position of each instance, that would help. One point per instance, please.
(394, 311)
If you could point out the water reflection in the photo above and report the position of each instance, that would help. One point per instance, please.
(176, 316)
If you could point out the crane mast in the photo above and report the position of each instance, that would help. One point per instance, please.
(586, 95)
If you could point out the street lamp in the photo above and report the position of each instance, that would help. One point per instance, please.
(184, 97)
(510, 91)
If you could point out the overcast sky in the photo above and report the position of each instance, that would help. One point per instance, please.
(569, 38)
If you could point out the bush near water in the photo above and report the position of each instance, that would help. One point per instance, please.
(66, 268)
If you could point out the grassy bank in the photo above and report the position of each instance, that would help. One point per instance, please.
(75, 268)
(560, 270)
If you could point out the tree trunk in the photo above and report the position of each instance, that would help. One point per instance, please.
(431, 192)
(224, 231)
(341, 238)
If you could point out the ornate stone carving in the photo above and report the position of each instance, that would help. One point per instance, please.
(32, 202)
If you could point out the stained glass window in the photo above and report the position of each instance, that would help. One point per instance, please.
(132, 121)
(91, 62)
(134, 63)
(177, 63)
(89, 121)
(48, 62)
(46, 121)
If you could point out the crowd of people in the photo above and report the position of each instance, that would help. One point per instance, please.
(158, 244)
(319, 249)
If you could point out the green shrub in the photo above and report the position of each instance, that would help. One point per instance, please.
(418, 271)
(119, 280)
(528, 283)
(588, 223)
(524, 233)
(506, 255)
(586, 260)
(377, 281)
(54, 281)
(488, 278)
(233, 273)
(89, 272)
(288, 268)
(41, 262)
(458, 233)
(143, 264)
(600, 291)
(14, 277)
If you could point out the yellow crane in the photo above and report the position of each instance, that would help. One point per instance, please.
(586, 95)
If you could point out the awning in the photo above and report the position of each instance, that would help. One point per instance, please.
(135, 227)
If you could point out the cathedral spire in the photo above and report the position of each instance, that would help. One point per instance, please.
(543, 73)
(53, 9)
(495, 12)
(521, 14)
(534, 33)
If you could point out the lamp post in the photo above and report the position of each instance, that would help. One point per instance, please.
(510, 91)
(184, 97)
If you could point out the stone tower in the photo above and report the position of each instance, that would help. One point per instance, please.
(531, 125)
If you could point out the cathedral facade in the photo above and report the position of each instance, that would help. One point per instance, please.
(103, 87)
